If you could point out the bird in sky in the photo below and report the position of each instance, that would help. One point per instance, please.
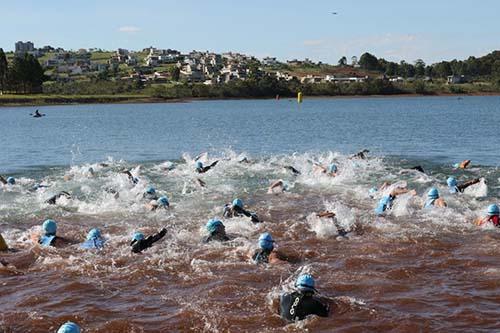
(334, 13)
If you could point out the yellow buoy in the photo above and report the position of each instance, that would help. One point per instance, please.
(299, 97)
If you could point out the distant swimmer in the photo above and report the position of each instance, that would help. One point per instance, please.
(454, 187)
(200, 168)
(462, 165)
(140, 243)
(161, 202)
(8, 181)
(492, 215)
(267, 254)
(216, 231)
(433, 199)
(69, 327)
(302, 302)
(236, 209)
(94, 240)
(361, 154)
(278, 186)
(134, 180)
(48, 236)
(331, 170)
(150, 193)
(53, 199)
(387, 201)
(292, 169)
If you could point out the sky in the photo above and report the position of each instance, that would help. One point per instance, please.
(287, 29)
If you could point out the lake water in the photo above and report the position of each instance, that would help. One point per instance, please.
(411, 270)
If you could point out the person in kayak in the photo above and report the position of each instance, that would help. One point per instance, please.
(94, 240)
(162, 202)
(454, 187)
(266, 253)
(433, 199)
(492, 215)
(140, 243)
(8, 181)
(302, 302)
(216, 231)
(69, 327)
(52, 200)
(200, 168)
(235, 209)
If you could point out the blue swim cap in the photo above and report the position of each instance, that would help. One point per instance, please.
(199, 165)
(11, 180)
(49, 227)
(266, 241)
(332, 168)
(238, 203)
(493, 210)
(305, 282)
(69, 327)
(150, 190)
(163, 201)
(137, 236)
(433, 193)
(213, 224)
(451, 181)
(93, 234)
(456, 165)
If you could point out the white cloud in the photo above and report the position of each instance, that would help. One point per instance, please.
(129, 29)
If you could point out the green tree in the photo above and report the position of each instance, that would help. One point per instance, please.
(175, 72)
(343, 61)
(369, 61)
(3, 70)
(419, 68)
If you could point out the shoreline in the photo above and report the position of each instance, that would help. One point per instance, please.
(34, 100)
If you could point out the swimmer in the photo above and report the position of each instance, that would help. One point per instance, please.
(492, 215)
(278, 186)
(454, 187)
(8, 181)
(162, 202)
(387, 201)
(462, 165)
(433, 199)
(418, 168)
(133, 180)
(140, 243)
(332, 169)
(292, 169)
(361, 154)
(216, 231)
(267, 254)
(48, 237)
(236, 209)
(331, 215)
(302, 302)
(202, 169)
(69, 327)
(201, 182)
(94, 240)
(150, 193)
(52, 200)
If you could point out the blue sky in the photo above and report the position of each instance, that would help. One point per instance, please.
(395, 30)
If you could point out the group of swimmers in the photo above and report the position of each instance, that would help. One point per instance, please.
(295, 305)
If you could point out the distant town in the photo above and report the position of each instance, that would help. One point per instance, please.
(154, 72)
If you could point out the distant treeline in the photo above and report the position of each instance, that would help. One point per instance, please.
(24, 74)
(487, 67)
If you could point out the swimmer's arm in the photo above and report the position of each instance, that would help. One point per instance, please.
(326, 213)
(201, 182)
(481, 220)
(158, 236)
(441, 203)
(463, 186)
(320, 168)
(464, 164)
(398, 191)
(277, 258)
(2, 180)
(274, 185)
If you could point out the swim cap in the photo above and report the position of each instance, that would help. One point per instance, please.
(49, 227)
(493, 210)
(384, 203)
(137, 236)
(199, 165)
(451, 181)
(266, 241)
(150, 190)
(238, 203)
(332, 168)
(213, 224)
(69, 327)
(11, 180)
(163, 201)
(305, 282)
(433, 193)
(93, 234)
(372, 190)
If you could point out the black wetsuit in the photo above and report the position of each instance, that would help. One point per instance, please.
(205, 169)
(292, 169)
(235, 211)
(216, 237)
(261, 256)
(418, 168)
(52, 200)
(298, 305)
(141, 245)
